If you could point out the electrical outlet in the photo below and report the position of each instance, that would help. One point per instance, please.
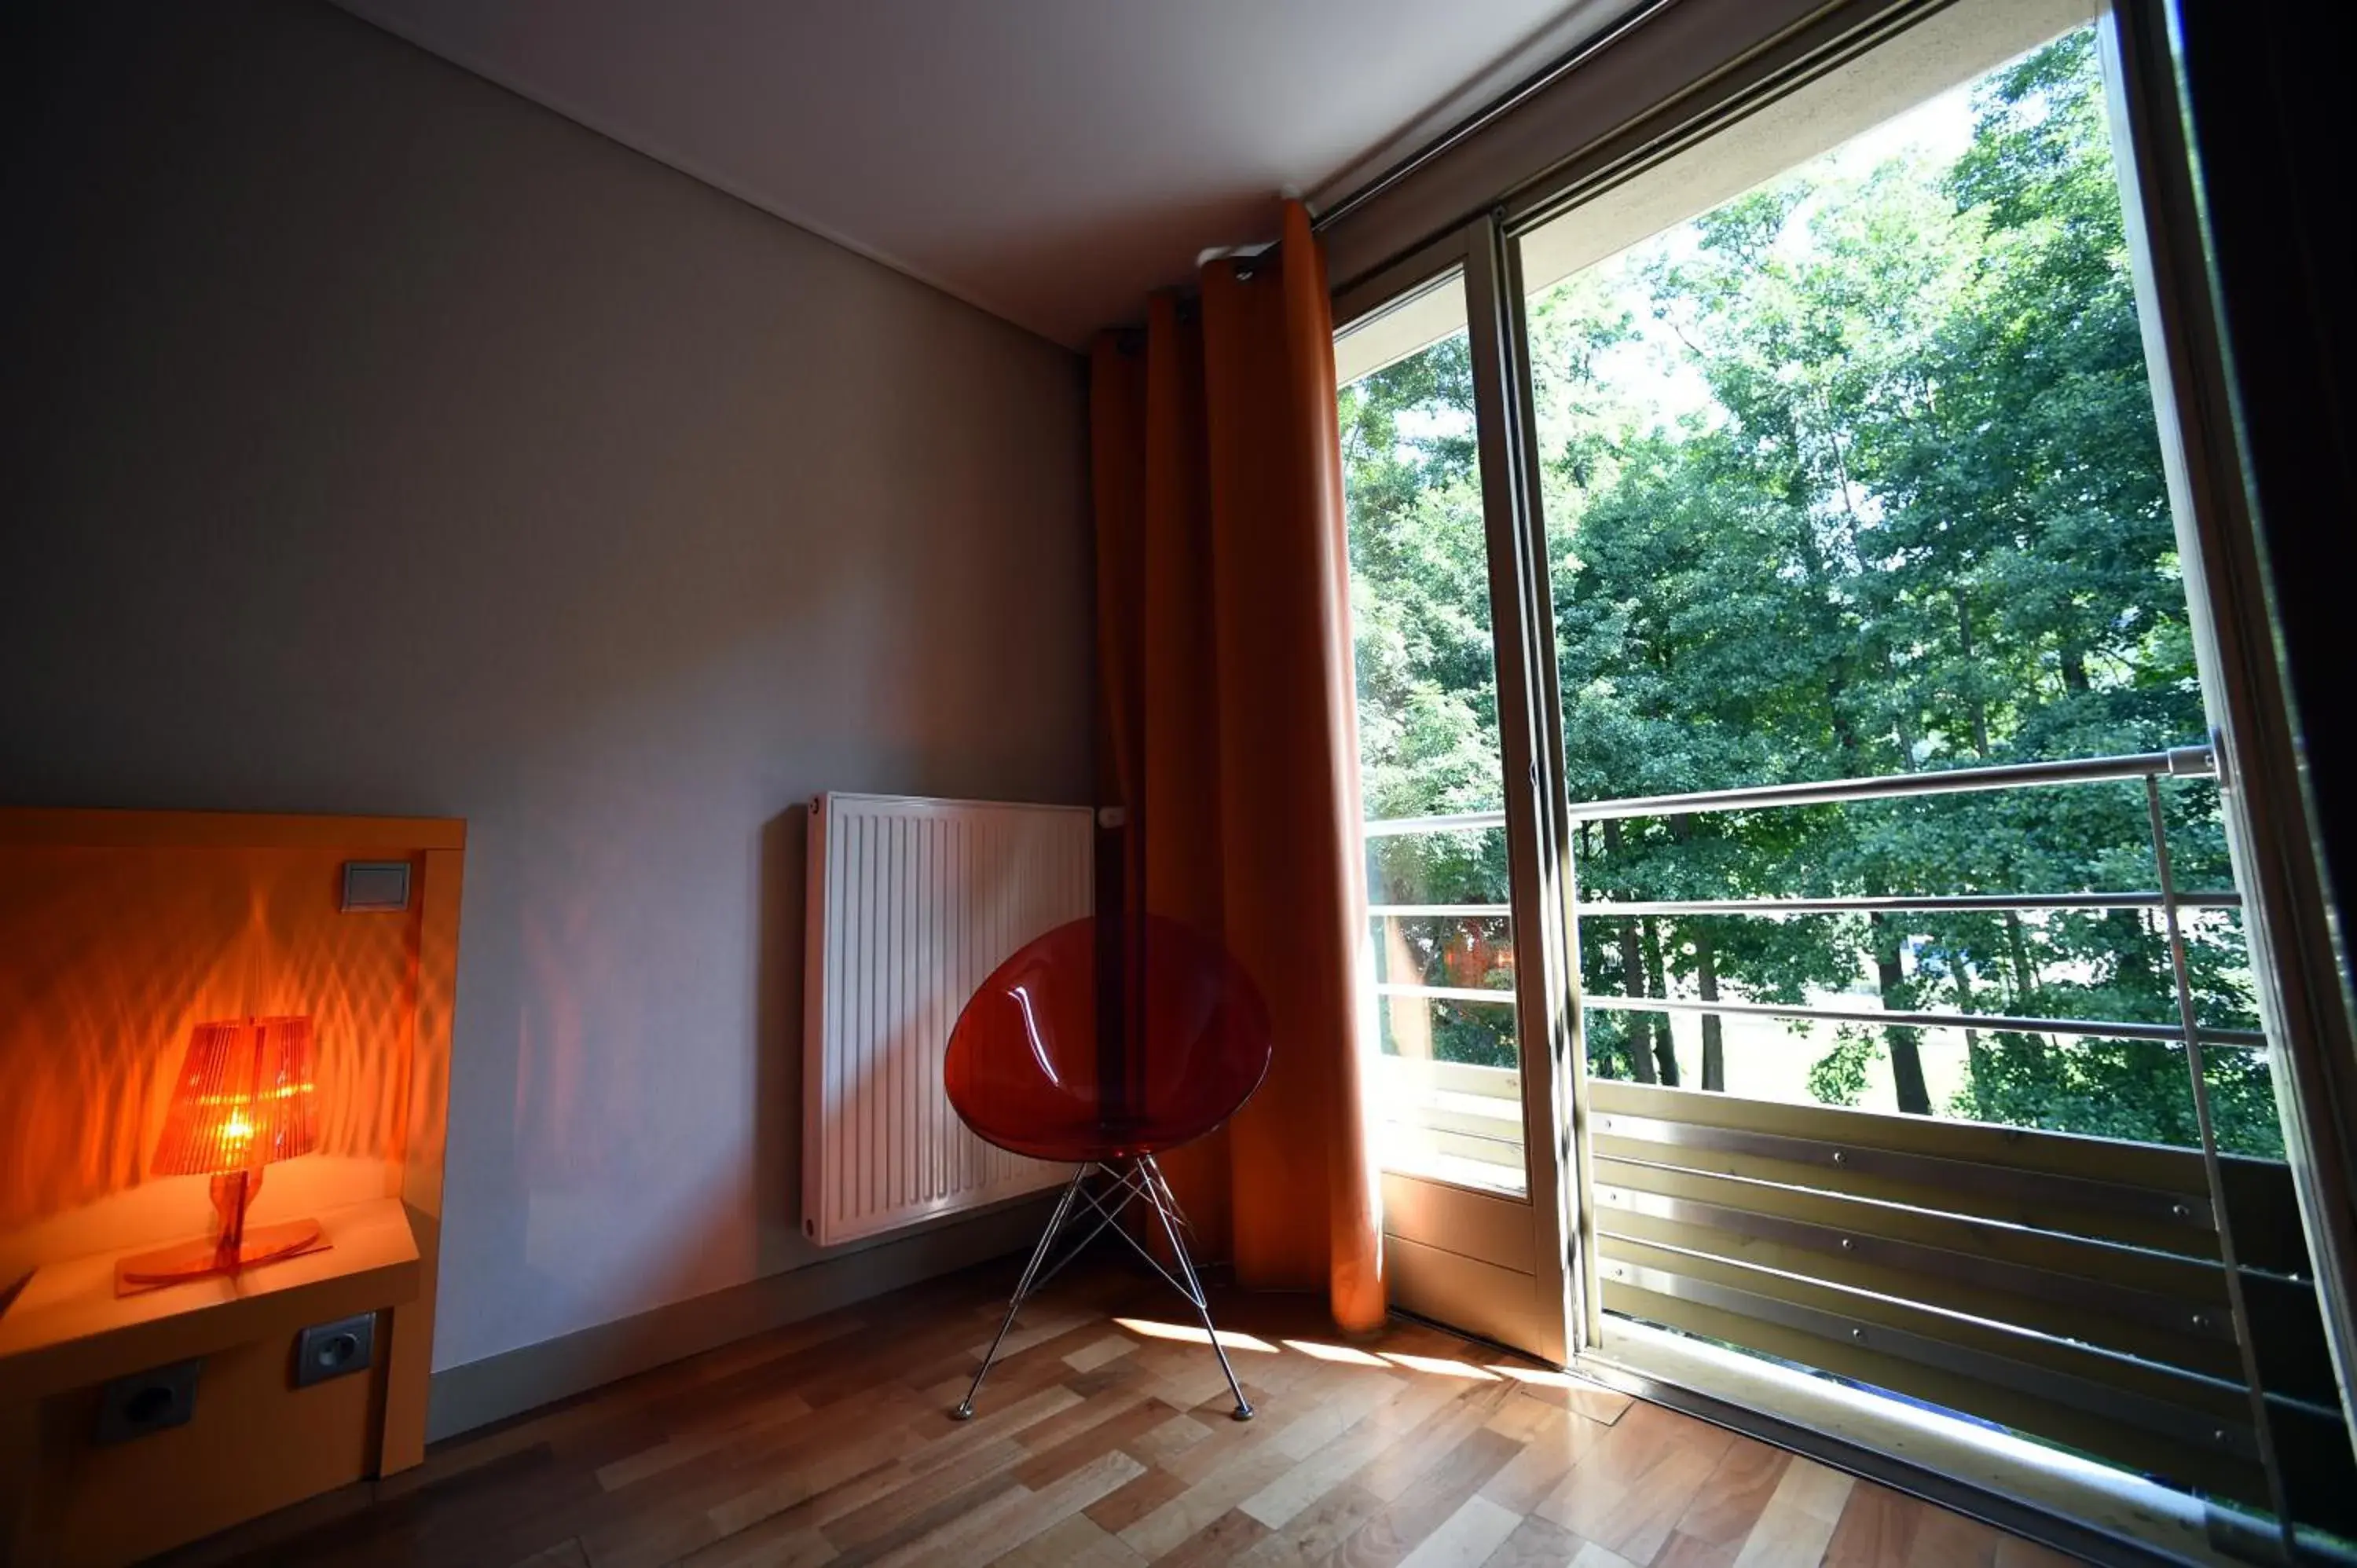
(149, 1402)
(332, 1350)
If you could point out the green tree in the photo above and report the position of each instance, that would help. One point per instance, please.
(1912, 517)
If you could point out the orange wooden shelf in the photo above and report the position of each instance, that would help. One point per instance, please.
(67, 1329)
(90, 828)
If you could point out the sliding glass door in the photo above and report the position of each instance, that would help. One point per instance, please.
(1802, 931)
(1460, 1007)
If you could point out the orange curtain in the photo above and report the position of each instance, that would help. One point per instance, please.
(1228, 734)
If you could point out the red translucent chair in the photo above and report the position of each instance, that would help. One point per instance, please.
(1041, 1064)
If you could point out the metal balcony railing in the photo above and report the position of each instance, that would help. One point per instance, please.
(2146, 1304)
(2185, 762)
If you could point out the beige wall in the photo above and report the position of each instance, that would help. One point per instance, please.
(374, 441)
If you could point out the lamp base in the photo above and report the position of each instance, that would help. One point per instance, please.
(198, 1260)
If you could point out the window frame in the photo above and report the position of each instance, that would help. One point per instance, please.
(1660, 81)
(1530, 738)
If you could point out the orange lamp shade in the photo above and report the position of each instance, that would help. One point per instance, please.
(243, 1098)
(243, 1101)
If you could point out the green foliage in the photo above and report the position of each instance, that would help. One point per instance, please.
(1910, 516)
(1839, 1078)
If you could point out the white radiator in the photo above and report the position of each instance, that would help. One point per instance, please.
(912, 904)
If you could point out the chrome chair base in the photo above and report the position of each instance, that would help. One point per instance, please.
(1132, 1179)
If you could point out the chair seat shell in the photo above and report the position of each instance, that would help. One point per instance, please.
(1032, 1068)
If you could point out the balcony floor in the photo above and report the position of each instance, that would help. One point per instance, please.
(1105, 1439)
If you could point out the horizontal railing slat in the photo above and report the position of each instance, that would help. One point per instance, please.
(1445, 1118)
(2221, 1400)
(2288, 1328)
(2066, 1286)
(2100, 1188)
(2177, 1172)
(1497, 1082)
(1861, 1165)
(1827, 1345)
(1488, 1150)
(2031, 1212)
(2196, 1285)
(2155, 1328)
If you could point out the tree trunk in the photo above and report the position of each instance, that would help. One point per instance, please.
(1714, 1029)
(1966, 1001)
(2074, 668)
(1636, 1028)
(1714, 1039)
(1665, 1054)
(1637, 1035)
(1979, 709)
(1906, 1044)
(2025, 980)
(2025, 976)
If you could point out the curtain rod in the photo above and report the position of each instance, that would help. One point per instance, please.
(1482, 119)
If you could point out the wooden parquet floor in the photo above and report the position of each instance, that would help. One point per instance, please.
(1105, 1440)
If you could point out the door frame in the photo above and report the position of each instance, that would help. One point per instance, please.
(1512, 1271)
(1599, 126)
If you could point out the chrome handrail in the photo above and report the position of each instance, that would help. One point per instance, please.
(1441, 822)
(2000, 1023)
(1440, 912)
(2184, 762)
(2179, 762)
(1606, 909)
(1966, 903)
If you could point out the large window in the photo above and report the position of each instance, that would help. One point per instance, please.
(1853, 475)
(1856, 475)
(1792, 817)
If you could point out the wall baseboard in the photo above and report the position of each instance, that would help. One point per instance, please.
(496, 1387)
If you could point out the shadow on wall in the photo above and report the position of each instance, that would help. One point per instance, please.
(557, 1109)
(778, 1031)
(385, 443)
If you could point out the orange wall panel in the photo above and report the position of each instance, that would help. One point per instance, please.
(113, 953)
(119, 931)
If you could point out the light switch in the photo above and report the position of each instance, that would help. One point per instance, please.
(376, 886)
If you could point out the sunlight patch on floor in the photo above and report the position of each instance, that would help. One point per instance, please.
(1342, 1353)
(1228, 1339)
(1439, 1367)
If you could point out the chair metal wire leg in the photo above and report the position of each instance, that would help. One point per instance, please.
(1159, 1193)
(1106, 1217)
(1153, 1173)
(964, 1410)
(1144, 1179)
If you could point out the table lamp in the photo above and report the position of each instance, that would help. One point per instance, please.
(243, 1098)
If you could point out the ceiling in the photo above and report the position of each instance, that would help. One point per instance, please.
(1052, 161)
